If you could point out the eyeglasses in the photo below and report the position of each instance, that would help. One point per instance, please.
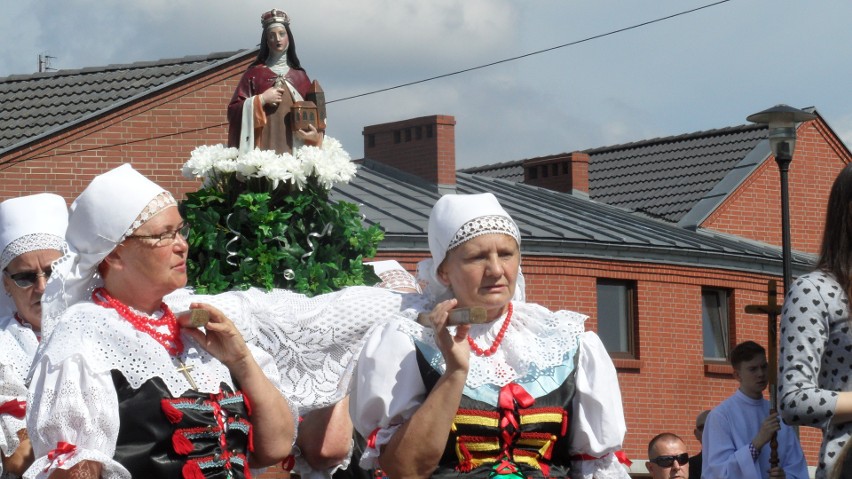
(165, 239)
(668, 461)
(26, 279)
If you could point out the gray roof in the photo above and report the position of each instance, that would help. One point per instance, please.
(32, 106)
(554, 223)
(679, 179)
(666, 177)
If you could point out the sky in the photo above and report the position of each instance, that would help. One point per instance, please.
(698, 71)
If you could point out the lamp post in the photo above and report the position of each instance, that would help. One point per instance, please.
(781, 120)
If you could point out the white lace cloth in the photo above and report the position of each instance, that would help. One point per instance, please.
(314, 341)
(72, 397)
(538, 343)
(18, 345)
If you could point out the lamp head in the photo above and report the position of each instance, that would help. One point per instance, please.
(781, 120)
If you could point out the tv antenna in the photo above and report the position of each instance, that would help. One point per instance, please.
(44, 62)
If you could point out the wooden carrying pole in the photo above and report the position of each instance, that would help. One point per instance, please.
(772, 310)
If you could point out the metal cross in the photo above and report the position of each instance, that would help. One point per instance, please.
(185, 369)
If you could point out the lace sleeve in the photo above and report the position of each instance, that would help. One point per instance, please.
(73, 417)
(598, 416)
(13, 395)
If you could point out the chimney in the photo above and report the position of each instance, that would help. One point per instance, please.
(424, 147)
(565, 172)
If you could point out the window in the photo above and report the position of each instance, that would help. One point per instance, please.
(617, 316)
(371, 140)
(715, 322)
(397, 136)
(533, 172)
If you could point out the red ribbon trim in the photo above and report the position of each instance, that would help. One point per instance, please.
(62, 449)
(620, 455)
(371, 440)
(14, 408)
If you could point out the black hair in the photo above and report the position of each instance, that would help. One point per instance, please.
(746, 351)
(836, 251)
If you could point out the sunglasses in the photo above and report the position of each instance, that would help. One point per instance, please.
(26, 279)
(668, 461)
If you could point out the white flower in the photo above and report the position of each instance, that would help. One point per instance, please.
(279, 169)
(205, 160)
(330, 164)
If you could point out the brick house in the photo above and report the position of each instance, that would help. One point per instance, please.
(661, 242)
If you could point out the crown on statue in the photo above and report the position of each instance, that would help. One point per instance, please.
(274, 16)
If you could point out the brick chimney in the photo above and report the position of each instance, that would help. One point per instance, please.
(424, 147)
(565, 172)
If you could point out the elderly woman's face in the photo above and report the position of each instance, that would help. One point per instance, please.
(32, 267)
(160, 265)
(483, 272)
(276, 39)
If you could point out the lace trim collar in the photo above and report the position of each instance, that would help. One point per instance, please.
(536, 340)
(100, 338)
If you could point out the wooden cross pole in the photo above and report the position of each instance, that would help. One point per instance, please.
(772, 310)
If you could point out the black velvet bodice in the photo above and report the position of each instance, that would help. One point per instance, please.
(195, 436)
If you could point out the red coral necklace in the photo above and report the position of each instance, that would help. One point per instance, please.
(499, 339)
(171, 340)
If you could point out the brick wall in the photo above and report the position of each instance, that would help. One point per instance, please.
(155, 134)
(754, 211)
(423, 146)
(564, 172)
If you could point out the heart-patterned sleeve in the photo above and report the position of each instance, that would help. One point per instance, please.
(815, 357)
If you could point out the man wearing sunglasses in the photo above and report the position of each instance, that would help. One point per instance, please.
(667, 457)
(738, 431)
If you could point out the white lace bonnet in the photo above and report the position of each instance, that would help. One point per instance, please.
(114, 205)
(30, 223)
(458, 218)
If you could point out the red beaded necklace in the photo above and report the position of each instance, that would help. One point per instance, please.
(499, 339)
(171, 340)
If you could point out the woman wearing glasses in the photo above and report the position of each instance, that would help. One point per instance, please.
(119, 389)
(32, 237)
(524, 393)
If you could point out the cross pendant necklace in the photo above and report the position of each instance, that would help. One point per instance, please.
(185, 369)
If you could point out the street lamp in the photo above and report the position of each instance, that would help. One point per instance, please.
(782, 120)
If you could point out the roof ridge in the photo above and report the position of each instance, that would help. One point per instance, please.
(675, 138)
(125, 66)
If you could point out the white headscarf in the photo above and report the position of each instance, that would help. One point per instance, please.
(114, 205)
(30, 223)
(454, 220)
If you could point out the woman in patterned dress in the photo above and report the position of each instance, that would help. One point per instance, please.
(816, 345)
